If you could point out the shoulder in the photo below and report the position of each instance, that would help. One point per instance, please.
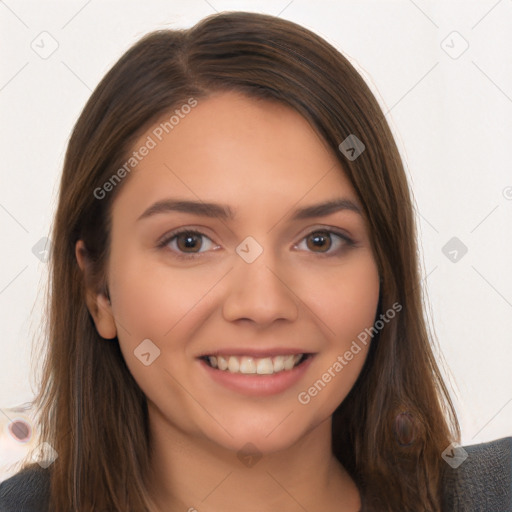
(26, 491)
(482, 481)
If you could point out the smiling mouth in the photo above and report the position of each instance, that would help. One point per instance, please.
(256, 366)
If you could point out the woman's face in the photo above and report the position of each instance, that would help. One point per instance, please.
(254, 290)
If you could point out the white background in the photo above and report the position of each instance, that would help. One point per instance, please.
(452, 118)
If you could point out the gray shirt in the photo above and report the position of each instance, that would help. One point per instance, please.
(482, 483)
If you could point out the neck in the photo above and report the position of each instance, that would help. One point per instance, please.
(194, 474)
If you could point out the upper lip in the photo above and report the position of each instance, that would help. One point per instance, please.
(256, 353)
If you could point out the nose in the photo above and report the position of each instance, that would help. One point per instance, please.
(260, 291)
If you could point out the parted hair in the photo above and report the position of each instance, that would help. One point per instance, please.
(390, 431)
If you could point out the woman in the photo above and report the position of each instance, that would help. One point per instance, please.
(235, 317)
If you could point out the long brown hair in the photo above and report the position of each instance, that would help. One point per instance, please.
(391, 429)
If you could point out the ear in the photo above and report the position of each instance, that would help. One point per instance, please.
(98, 303)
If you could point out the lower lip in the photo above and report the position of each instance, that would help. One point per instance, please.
(255, 384)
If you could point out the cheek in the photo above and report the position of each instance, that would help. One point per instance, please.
(151, 299)
(345, 298)
(356, 305)
(346, 303)
(165, 305)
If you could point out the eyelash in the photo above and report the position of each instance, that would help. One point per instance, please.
(184, 256)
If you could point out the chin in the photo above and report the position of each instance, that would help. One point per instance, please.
(256, 436)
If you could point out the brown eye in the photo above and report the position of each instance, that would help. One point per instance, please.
(187, 244)
(188, 241)
(319, 240)
(326, 242)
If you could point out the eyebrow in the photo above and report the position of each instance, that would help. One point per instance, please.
(203, 209)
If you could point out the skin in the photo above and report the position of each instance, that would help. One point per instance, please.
(263, 160)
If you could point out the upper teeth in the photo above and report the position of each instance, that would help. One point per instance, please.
(245, 364)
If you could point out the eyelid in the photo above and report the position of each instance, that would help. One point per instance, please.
(343, 233)
(347, 241)
(171, 235)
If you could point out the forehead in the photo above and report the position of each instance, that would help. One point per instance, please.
(234, 148)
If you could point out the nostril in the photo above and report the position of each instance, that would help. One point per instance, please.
(20, 430)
